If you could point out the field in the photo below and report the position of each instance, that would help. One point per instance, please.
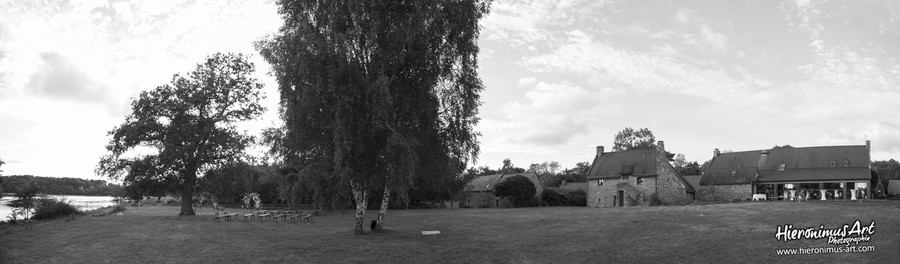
(721, 233)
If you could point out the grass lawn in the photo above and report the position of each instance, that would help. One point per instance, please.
(720, 233)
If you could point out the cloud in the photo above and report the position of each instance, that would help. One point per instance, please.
(58, 77)
(554, 131)
(527, 81)
(712, 40)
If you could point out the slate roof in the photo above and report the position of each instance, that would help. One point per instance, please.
(484, 183)
(732, 168)
(612, 165)
(800, 164)
(487, 183)
(693, 180)
(814, 164)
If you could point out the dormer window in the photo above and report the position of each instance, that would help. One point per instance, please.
(781, 167)
(846, 163)
(831, 164)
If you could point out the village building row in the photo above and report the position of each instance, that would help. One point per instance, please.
(789, 173)
(645, 177)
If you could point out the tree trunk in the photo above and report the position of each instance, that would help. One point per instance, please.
(187, 193)
(384, 205)
(359, 194)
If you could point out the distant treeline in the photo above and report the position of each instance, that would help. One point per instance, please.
(60, 186)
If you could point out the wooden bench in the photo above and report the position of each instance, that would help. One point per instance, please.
(226, 217)
(249, 216)
(293, 217)
(307, 218)
(222, 217)
(262, 216)
(275, 217)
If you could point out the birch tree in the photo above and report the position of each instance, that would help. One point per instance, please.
(375, 92)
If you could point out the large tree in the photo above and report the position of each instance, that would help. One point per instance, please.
(518, 189)
(641, 139)
(177, 131)
(374, 93)
(630, 139)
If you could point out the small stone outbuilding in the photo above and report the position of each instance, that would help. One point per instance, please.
(479, 193)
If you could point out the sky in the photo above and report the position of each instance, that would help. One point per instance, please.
(561, 77)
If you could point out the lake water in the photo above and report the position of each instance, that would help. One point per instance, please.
(82, 203)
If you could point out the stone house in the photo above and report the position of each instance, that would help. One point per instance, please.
(790, 173)
(729, 176)
(480, 191)
(635, 178)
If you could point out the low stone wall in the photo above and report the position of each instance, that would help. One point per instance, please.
(725, 193)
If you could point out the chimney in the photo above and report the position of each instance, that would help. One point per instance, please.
(868, 146)
(661, 146)
(599, 150)
(716, 153)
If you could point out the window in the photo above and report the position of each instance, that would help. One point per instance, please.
(846, 163)
(781, 167)
(831, 164)
(639, 181)
(599, 200)
(733, 173)
(624, 178)
(600, 182)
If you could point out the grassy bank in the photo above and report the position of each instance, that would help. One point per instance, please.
(741, 232)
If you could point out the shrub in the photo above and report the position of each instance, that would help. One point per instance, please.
(552, 197)
(576, 198)
(47, 208)
(118, 208)
(518, 189)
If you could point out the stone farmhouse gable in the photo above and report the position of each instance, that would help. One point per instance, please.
(480, 191)
(635, 178)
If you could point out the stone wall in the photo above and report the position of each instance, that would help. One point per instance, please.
(635, 194)
(481, 199)
(724, 193)
(670, 189)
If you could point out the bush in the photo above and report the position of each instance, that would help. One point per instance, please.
(552, 197)
(576, 198)
(518, 189)
(118, 208)
(47, 208)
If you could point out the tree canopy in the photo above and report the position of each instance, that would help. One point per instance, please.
(61, 186)
(630, 139)
(187, 126)
(518, 189)
(375, 94)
